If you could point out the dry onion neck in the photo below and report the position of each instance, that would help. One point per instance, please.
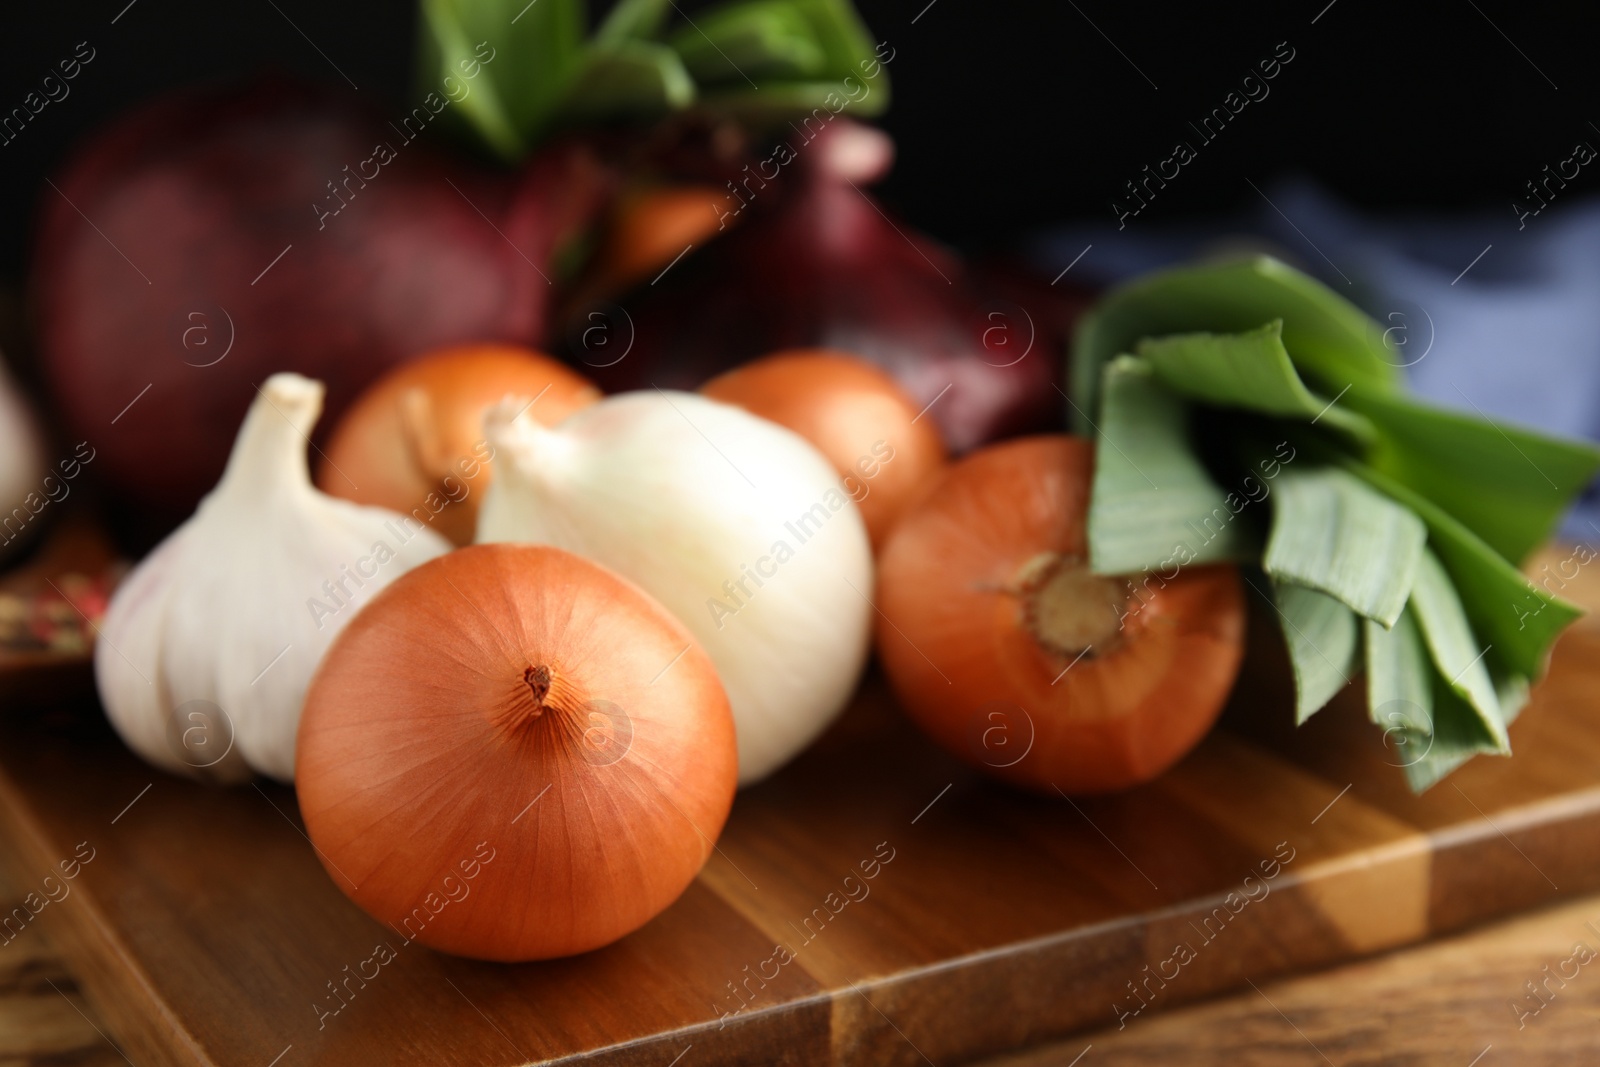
(1069, 610)
(540, 690)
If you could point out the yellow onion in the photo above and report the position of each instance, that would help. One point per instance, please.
(513, 753)
(413, 442)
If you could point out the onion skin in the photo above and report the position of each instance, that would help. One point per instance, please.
(845, 407)
(418, 430)
(949, 593)
(203, 191)
(418, 743)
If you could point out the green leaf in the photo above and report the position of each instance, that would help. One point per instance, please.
(1330, 339)
(1457, 736)
(631, 79)
(526, 56)
(834, 67)
(1251, 370)
(1333, 532)
(1520, 620)
(1153, 503)
(1321, 635)
(751, 42)
(1455, 649)
(1248, 369)
(631, 20)
(759, 61)
(1511, 689)
(843, 36)
(1429, 729)
(1399, 674)
(809, 103)
(1508, 485)
(1404, 520)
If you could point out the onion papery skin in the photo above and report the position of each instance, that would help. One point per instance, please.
(957, 642)
(418, 430)
(419, 751)
(854, 414)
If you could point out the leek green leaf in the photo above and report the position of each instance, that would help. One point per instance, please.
(1321, 635)
(1250, 370)
(1333, 532)
(1457, 736)
(1394, 534)
(778, 101)
(1454, 647)
(631, 20)
(764, 58)
(1511, 689)
(525, 56)
(1459, 733)
(1429, 730)
(842, 35)
(1509, 485)
(629, 79)
(1330, 339)
(1399, 676)
(1507, 611)
(1152, 503)
(751, 42)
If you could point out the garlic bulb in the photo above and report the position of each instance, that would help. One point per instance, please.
(23, 492)
(738, 526)
(208, 646)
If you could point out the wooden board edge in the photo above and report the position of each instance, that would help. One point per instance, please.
(78, 928)
(1548, 844)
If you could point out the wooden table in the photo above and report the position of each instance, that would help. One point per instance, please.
(1444, 1002)
(1449, 1001)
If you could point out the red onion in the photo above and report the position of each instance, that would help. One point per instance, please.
(193, 247)
(810, 260)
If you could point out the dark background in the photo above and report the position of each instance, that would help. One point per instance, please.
(1008, 117)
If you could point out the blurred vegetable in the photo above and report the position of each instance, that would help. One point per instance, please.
(23, 492)
(739, 526)
(814, 262)
(769, 58)
(1394, 526)
(210, 642)
(531, 780)
(413, 442)
(854, 414)
(241, 232)
(761, 60)
(650, 225)
(1002, 644)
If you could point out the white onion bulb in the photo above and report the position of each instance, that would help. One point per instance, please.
(738, 526)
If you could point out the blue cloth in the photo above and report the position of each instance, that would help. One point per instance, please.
(1492, 319)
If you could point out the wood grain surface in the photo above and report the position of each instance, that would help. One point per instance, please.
(44, 1021)
(204, 931)
(1450, 1001)
(1462, 1001)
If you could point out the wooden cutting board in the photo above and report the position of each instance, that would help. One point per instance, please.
(205, 932)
